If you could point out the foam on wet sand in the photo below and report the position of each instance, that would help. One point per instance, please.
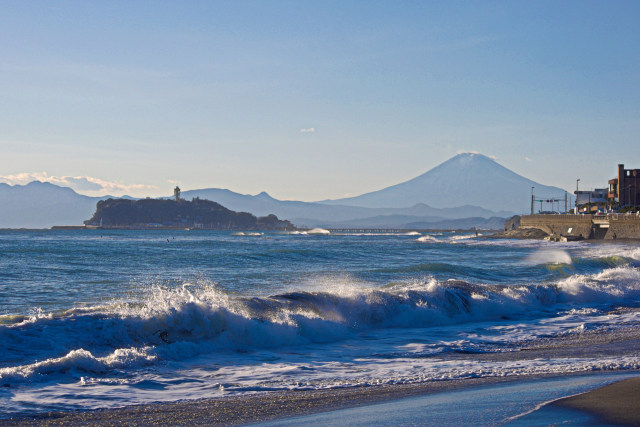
(490, 401)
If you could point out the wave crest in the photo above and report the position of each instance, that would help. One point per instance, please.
(175, 324)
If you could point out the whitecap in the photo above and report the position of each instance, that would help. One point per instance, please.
(319, 231)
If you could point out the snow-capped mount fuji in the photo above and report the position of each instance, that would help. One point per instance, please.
(466, 179)
(469, 190)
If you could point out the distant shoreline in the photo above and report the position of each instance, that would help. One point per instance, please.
(495, 234)
(337, 230)
(93, 227)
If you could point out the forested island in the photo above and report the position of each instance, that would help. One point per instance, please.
(198, 213)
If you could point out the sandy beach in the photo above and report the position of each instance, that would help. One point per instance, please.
(616, 403)
(612, 403)
(249, 409)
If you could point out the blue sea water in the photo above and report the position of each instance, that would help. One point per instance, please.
(105, 318)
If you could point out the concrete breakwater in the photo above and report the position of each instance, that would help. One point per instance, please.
(603, 227)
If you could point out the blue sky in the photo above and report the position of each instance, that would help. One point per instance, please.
(313, 100)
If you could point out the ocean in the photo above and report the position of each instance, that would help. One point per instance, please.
(107, 318)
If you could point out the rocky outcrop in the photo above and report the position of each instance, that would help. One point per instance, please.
(512, 223)
(512, 230)
(521, 233)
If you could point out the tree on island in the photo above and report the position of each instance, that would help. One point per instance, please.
(176, 193)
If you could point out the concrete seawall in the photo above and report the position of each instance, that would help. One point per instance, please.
(624, 227)
(607, 227)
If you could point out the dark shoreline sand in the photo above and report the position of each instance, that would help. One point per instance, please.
(237, 410)
(611, 404)
(617, 403)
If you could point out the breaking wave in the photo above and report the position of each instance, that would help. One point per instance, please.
(427, 239)
(311, 232)
(176, 324)
(549, 256)
(319, 231)
(251, 234)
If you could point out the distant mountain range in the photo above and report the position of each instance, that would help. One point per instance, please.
(470, 190)
(336, 216)
(43, 205)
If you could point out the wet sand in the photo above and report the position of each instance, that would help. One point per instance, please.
(617, 403)
(250, 408)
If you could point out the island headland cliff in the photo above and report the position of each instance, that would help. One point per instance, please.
(198, 213)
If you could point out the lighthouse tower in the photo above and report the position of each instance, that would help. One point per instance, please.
(176, 193)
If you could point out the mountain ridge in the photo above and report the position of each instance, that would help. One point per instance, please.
(318, 212)
(475, 183)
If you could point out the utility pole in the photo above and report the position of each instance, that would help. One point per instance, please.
(577, 181)
(532, 200)
(565, 202)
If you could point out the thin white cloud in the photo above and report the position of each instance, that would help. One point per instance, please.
(528, 159)
(83, 184)
(308, 130)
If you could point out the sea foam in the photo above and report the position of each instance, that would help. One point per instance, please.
(427, 239)
(549, 256)
(319, 231)
(176, 324)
